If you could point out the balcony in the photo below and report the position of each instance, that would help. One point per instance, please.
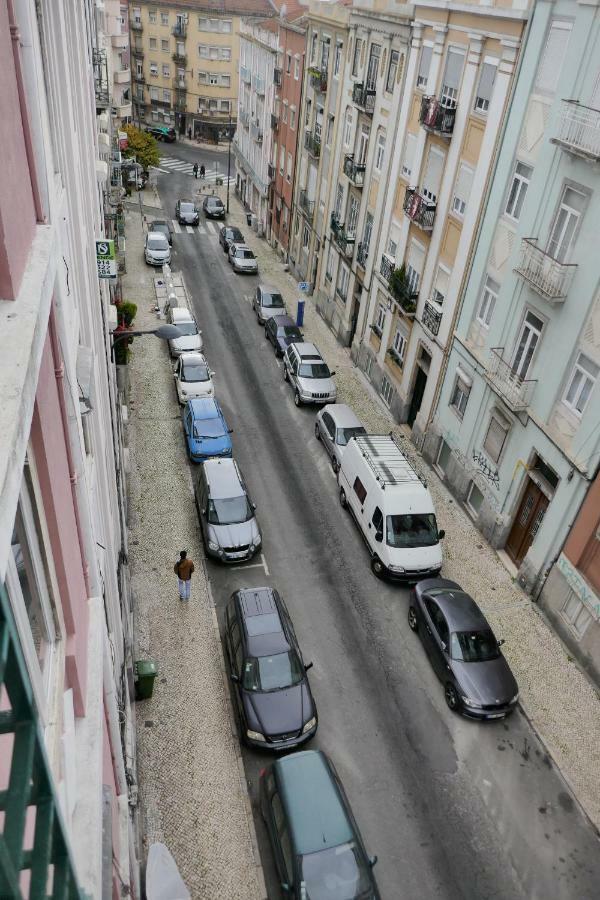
(318, 78)
(399, 285)
(312, 143)
(354, 171)
(419, 210)
(139, 78)
(364, 97)
(166, 104)
(306, 206)
(245, 75)
(138, 51)
(179, 58)
(180, 101)
(274, 122)
(362, 252)
(179, 30)
(100, 78)
(514, 390)
(122, 76)
(244, 117)
(342, 238)
(120, 41)
(277, 77)
(547, 276)
(256, 132)
(136, 25)
(179, 85)
(579, 130)
(258, 84)
(435, 118)
(432, 317)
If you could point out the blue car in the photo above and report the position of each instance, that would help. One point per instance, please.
(206, 431)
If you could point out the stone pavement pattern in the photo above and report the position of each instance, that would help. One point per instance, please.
(556, 696)
(192, 791)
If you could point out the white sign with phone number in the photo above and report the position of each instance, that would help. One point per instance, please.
(105, 259)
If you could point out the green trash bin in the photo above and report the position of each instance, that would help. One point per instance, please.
(145, 673)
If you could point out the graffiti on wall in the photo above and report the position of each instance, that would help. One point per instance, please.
(486, 470)
(579, 585)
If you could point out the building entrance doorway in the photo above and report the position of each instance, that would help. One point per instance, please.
(527, 522)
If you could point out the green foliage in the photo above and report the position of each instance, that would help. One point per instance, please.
(141, 145)
(126, 313)
(401, 289)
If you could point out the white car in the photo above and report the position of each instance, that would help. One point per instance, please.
(190, 339)
(193, 378)
(242, 259)
(157, 251)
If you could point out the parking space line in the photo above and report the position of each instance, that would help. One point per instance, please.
(251, 566)
(265, 566)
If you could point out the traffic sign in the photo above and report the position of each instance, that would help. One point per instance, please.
(304, 287)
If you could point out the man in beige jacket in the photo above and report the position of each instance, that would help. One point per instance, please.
(183, 569)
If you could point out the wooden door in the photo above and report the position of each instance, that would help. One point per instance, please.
(527, 522)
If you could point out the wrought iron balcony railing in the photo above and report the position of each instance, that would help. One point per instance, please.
(514, 390)
(136, 25)
(245, 74)
(256, 132)
(432, 317)
(179, 85)
(418, 209)
(139, 77)
(179, 30)
(400, 288)
(137, 50)
(364, 97)
(318, 78)
(546, 275)
(354, 171)
(436, 118)
(306, 206)
(312, 143)
(579, 130)
(362, 252)
(270, 171)
(179, 58)
(344, 239)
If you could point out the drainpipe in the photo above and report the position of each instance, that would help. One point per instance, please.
(111, 702)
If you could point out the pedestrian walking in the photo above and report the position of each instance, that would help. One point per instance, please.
(190, 132)
(183, 568)
(202, 171)
(195, 170)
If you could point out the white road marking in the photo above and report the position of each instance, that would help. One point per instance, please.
(250, 566)
(176, 227)
(201, 230)
(189, 229)
(158, 169)
(265, 566)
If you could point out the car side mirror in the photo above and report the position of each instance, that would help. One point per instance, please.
(331, 374)
(379, 536)
(234, 677)
(372, 861)
(211, 373)
(308, 666)
(230, 430)
(174, 374)
(254, 506)
(444, 647)
(441, 534)
(501, 641)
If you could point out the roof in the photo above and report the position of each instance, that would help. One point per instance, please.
(180, 313)
(343, 415)
(387, 462)
(460, 610)
(204, 408)
(222, 476)
(224, 7)
(316, 810)
(262, 621)
(306, 349)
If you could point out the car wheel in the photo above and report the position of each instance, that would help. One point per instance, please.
(452, 698)
(317, 431)
(266, 335)
(343, 499)
(377, 567)
(285, 374)
(335, 464)
(413, 622)
(297, 399)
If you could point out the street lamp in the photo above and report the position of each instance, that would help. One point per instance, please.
(165, 332)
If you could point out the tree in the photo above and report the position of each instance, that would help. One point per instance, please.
(141, 145)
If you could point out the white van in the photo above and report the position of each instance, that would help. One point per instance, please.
(392, 507)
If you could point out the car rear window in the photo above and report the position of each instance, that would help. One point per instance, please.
(214, 201)
(247, 254)
(187, 328)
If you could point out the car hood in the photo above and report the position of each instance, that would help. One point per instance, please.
(197, 388)
(238, 535)
(488, 683)
(158, 254)
(317, 385)
(279, 712)
(416, 557)
(187, 342)
(286, 341)
(188, 217)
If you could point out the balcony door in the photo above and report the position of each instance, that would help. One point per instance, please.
(373, 68)
(432, 178)
(531, 331)
(363, 146)
(566, 224)
(452, 75)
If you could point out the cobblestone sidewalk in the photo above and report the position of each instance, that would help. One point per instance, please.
(558, 699)
(192, 788)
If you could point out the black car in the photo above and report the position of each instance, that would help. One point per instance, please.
(275, 706)
(282, 331)
(462, 649)
(163, 227)
(213, 208)
(186, 213)
(229, 235)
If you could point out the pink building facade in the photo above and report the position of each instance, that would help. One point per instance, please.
(65, 604)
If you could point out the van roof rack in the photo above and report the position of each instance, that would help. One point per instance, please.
(386, 459)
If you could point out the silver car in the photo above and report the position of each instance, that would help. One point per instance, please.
(336, 424)
(242, 259)
(191, 336)
(267, 302)
(156, 249)
(309, 375)
(229, 528)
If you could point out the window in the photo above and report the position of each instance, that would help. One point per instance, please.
(330, 261)
(153, 43)
(339, 197)
(167, 96)
(377, 517)
(392, 248)
(226, 26)
(293, 118)
(296, 68)
(495, 437)
(576, 614)
(225, 105)
(553, 57)
(399, 345)
(518, 191)
(352, 216)
(164, 46)
(460, 394)
(359, 490)
(213, 52)
(373, 68)
(305, 237)
(154, 115)
(356, 57)
(440, 290)
(165, 71)
(203, 51)
(380, 318)
(483, 95)
(329, 133)
(409, 155)
(288, 63)
(581, 384)
(488, 302)
(566, 224)
(443, 457)
(474, 500)
(380, 152)
(288, 173)
(313, 47)
(164, 18)
(363, 146)
(348, 128)
(342, 281)
(433, 174)
(392, 71)
(531, 331)
(387, 391)
(367, 231)
(424, 66)
(462, 189)
(337, 61)
(152, 16)
(153, 93)
(226, 53)
(281, 160)
(452, 75)
(413, 277)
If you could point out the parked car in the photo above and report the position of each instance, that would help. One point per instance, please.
(161, 227)
(242, 259)
(282, 331)
(392, 507)
(227, 521)
(335, 425)
(205, 429)
(213, 208)
(309, 375)
(267, 302)
(162, 133)
(274, 703)
(193, 378)
(462, 649)
(318, 849)
(229, 235)
(186, 213)
(156, 249)
(191, 337)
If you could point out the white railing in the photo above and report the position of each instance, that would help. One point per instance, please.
(546, 275)
(516, 391)
(579, 128)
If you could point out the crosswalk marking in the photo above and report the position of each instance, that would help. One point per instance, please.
(176, 227)
(189, 229)
(170, 163)
(207, 227)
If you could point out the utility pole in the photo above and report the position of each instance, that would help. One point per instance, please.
(229, 136)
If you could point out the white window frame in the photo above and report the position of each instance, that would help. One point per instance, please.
(392, 68)
(459, 398)
(474, 512)
(408, 157)
(348, 128)
(379, 153)
(164, 45)
(166, 71)
(337, 59)
(583, 376)
(499, 422)
(343, 280)
(485, 86)
(400, 343)
(559, 248)
(449, 93)
(380, 316)
(424, 69)
(463, 185)
(488, 302)
(526, 345)
(518, 191)
(152, 43)
(386, 390)
(296, 68)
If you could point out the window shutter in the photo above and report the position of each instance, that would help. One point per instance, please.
(454, 64)
(416, 257)
(424, 64)
(553, 57)
(495, 438)
(486, 82)
(464, 183)
(433, 173)
(441, 283)
(409, 154)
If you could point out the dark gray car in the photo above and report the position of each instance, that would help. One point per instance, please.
(163, 227)
(462, 649)
(186, 213)
(282, 331)
(229, 528)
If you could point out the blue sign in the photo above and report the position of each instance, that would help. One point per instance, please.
(303, 287)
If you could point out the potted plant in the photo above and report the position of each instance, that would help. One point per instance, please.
(401, 288)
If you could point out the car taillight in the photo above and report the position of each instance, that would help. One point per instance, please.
(262, 773)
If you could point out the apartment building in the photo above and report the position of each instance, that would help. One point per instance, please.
(185, 59)
(456, 93)
(515, 433)
(116, 35)
(67, 748)
(285, 118)
(372, 79)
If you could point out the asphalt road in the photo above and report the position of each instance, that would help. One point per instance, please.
(452, 808)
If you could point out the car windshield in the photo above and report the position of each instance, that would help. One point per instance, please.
(246, 254)
(186, 328)
(215, 202)
(289, 332)
(160, 226)
(416, 530)
(272, 300)
(192, 371)
(209, 428)
(234, 234)
(314, 370)
(345, 434)
(186, 207)
(473, 646)
(231, 511)
(338, 873)
(157, 241)
(272, 673)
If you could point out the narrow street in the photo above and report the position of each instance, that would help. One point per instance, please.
(452, 808)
